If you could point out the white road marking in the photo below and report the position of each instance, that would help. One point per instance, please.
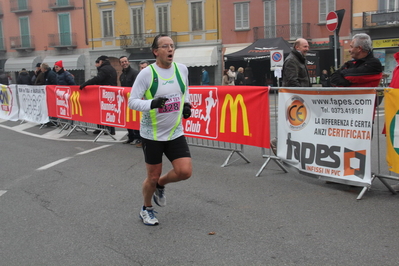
(47, 166)
(2, 192)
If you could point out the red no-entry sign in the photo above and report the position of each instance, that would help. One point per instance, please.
(332, 21)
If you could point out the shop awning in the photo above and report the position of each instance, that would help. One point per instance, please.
(197, 56)
(70, 62)
(236, 48)
(17, 63)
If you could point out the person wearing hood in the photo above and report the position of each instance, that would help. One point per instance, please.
(63, 76)
(23, 77)
(106, 75)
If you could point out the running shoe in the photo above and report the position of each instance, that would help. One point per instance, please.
(159, 197)
(148, 216)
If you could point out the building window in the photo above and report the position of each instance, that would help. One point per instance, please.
(2, 47)
(24, 30)
(137, 23)
(196, 16)
(325, 7)
(163, 18)
(64, 23)
(270, 18)
(241, 16)
(295, 19)
(392, 5)
(108, 27)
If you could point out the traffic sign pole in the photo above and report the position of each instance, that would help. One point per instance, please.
(332, 24)
(336, 49)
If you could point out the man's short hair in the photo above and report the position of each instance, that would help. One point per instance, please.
(144, 62)
(45, 66)
(363, 40)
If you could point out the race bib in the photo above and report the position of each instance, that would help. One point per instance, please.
(171, 105)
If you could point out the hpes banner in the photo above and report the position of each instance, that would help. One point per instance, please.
(105, 105)
(327, 132)
(392, 128)
(234, 114)
(8, 102)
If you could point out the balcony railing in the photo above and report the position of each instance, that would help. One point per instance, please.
(22, 42)
(62, 40)
(381, 19)
(20, 6)
(61, 4)
(144, 40)
(287, 31)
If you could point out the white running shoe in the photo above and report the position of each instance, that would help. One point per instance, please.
(148, 216)
(159, 197)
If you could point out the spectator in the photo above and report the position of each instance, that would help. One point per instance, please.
(63, 76)
(127, 79)
(240, 76)
(106, 75)
(49, 76)
(225, 80)
(161, 128)
(205, 77)
(232, 75)
(325, 79)
(295, 72)
(23, 77)
(3, 78)
(364, 70)
(248, 76)
(36, 73)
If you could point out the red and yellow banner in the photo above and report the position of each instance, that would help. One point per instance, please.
(223, 113)
(392, 128)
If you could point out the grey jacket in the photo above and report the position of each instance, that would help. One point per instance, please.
(295, 72)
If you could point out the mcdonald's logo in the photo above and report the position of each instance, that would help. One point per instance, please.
(75, 104)
(233, 106)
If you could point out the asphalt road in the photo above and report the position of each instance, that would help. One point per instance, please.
(71, 201)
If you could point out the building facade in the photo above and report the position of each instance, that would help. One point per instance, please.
(34, 31)
(128, 27)
(244, 22)
(379, 19)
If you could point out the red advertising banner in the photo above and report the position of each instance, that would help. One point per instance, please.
(235, 114)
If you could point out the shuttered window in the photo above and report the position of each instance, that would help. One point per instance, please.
(295, 19)
(270, 18)
(241, 16)
(325, 7)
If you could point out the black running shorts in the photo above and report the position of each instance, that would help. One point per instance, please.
(173, 149)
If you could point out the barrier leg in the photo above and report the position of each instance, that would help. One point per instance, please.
(231, 154)
(271, 158)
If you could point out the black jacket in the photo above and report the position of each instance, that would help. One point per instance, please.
(364, 72)
(23, 78)
(106, 76)
(50, 78)
(295, 72)
(128, 77)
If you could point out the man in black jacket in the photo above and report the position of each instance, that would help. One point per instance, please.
(127, 79)
(295, 72)
(106, 75)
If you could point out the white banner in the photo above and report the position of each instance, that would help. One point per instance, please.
(33, 104)
(8, 103)
(327, 133)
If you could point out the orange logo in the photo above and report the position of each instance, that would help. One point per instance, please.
(297, 115)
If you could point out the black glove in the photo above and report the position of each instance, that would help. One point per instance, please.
(81, 87)
(158, 102)
(186, 110)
